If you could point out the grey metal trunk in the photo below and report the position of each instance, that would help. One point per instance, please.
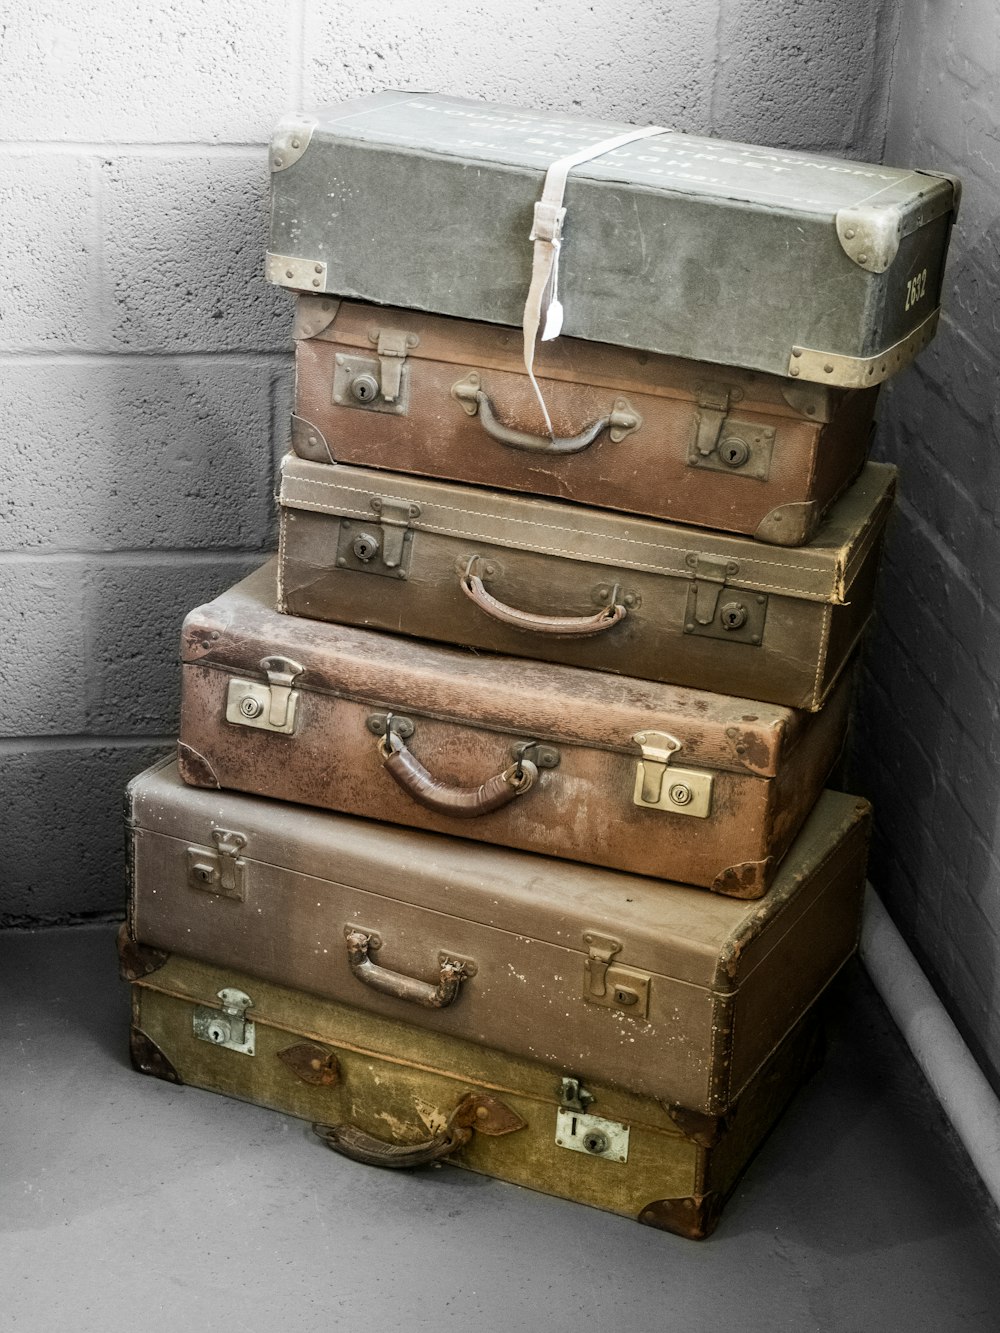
(787, 262)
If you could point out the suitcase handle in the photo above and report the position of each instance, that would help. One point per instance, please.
(566, 627)
(466, 802)
(401, 987)
(475, 1111)
(620, 421)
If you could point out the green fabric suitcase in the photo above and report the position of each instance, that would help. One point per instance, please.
(388, 1094)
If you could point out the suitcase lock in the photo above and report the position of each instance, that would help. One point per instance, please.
(378, 383)
(270, 707)
(228, 1025)
(223, 871)
(579, 1131)
(611, 984)
(724, 444)
(739, 617)
(660, 785)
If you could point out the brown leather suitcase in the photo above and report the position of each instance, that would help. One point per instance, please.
(588, 587)
(687, 441)
(649, 778)
(668, 992)
(390, 1094)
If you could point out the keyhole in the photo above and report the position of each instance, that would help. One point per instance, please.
(734, 615)
(364, 388)
(735, 452)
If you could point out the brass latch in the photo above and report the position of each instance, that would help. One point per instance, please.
(739, 617)
(381, 546)
(684, 791)
(392, 346)
(221, 871)
(609, 983)
(270, 707)
(228, 1025)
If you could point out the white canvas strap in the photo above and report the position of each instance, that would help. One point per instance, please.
(543, 308)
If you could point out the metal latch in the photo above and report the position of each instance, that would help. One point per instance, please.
(381, 546)
(221, 871)
(722, 443)
(611, 984)
(271, 707)
(228, 1025)
(685, 791)
(377, 383)
(739, 617)
(591, 1134)
(573, 1096)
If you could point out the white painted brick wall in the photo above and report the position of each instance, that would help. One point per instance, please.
(144, 362)
(927, 747)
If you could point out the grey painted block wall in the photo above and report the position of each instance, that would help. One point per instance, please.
(146, 364)
(927, 746)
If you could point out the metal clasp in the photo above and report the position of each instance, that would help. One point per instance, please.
(741, 617)
(688, 791)
(385, 552)
(227, 1026)
(609, 983)
(270, 707)
(392, 347)
(221, 871)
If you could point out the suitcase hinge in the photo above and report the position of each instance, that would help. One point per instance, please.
(740, 617)
(392, 346)
(227, 1025)
(611, 984)
(689, 791)
(221, 871)
(271, 707)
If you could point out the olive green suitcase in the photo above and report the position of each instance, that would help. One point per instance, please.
(388, 1094)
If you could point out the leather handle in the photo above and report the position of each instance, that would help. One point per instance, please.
(565, 627)
(476, 1111)
(465, 802)
(397, 984)
(542, 444)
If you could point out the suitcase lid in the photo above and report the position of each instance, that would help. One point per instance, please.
(473, 343)
(822, 571)
(538, 700)
(665, 929)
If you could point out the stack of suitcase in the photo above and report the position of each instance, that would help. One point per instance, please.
(497, 832)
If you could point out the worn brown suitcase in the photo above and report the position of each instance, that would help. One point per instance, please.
(669, 992)
(536, 578)
(681, 440)
(649, 778)
(390, 1094)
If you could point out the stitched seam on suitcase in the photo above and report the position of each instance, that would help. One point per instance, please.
(821, 655)
(281, 562)
(576, 554)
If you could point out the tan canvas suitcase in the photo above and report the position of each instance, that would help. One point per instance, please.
(687, 441)
(588, 587)
(667, 991)
(674, 783)
(386, 1093)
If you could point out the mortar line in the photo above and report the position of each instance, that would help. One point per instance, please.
(41, 744)
(171, 555)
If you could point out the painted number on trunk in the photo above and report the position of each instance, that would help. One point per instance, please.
(915, 289)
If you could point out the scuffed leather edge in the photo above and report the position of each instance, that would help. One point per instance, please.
(147, 1058)
(693, 1217)
(137, 960)
(699, 1126)
(790, 524)
(747, 881)
(194, 768)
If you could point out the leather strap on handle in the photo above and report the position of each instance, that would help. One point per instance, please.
(465, 802)
(476, 1111)
(564, 627)
(400, 986)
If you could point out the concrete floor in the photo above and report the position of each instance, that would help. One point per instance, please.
(126, 1203)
